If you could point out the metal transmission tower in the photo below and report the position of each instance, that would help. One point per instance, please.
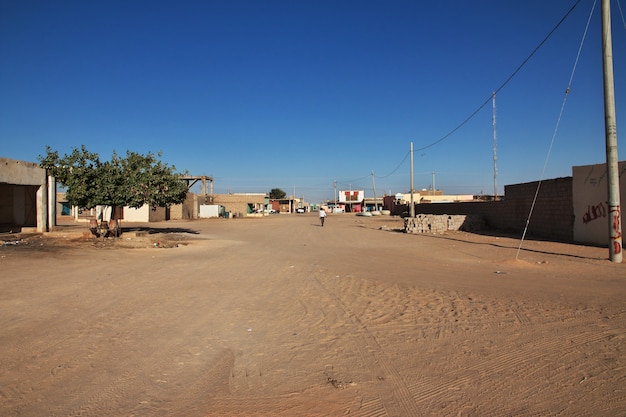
(495, 146)
(412, 208)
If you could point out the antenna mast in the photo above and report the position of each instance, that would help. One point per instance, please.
(495, 146)
(412, 209)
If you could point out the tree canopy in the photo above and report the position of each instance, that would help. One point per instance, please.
(131, 181)
(277, 194)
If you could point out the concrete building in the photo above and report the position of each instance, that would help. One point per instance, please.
(430, 196)
(237, 205)
(352, 201)
(27, 197)
(371, 204)
(142, 214)
(288, 204)
(242, 204)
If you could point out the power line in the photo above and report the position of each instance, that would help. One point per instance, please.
(517, 70)
(484, 103)
(396, 168)
(619, 6)
(556, 128)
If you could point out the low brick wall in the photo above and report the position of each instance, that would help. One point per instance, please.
(439, 223)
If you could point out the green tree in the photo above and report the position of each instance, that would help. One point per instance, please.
(277, 194)
(131, 181)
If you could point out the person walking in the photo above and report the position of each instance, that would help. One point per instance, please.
(322, 215)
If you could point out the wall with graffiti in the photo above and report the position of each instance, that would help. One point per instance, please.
(590, 199)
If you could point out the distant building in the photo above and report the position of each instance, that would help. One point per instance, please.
(289, 204)
(430, 196)
(373, 204)
(242, 204)
(26, 199)
(351, 201)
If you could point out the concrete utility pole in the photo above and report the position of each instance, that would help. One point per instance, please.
(374, 186)
(412, 208)
(610, 129)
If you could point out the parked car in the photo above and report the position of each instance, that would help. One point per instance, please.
(300, 210)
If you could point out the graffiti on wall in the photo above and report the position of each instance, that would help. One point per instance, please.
(595, 176)
(595, 212)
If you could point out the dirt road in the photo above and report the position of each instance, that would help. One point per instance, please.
(280, 317)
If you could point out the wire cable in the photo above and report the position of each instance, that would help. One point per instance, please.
(348, 182)
(396, 168)
(488, 100)
(619, 6)
(556, 128)
(517, 70)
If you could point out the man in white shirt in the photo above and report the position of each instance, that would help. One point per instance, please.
(322, 215)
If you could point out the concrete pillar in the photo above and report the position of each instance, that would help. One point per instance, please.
(42, 208)
(52, 203)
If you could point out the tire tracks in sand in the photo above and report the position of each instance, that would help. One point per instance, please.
(395, 396)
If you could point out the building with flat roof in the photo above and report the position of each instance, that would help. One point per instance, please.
(26, 201)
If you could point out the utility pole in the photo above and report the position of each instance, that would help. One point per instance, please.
(433, 184)
(374, 186)
(610, 129)
(412, 208)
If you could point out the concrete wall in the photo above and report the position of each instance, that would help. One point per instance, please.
(158, 215)
(176, 212)
(144, 214)
(187, 210)
(18, 205)
(553, 213)
(23, 195)
(552, 217)
(141, 214)
(21, 173)
(591, 207)
(238, 204)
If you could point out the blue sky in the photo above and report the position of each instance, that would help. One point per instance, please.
(299, 94)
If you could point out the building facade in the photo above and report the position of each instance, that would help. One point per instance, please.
(26, 199)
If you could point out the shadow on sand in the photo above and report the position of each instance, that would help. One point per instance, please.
(154, 230)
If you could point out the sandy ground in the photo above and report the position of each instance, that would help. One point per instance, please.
(280, 317)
